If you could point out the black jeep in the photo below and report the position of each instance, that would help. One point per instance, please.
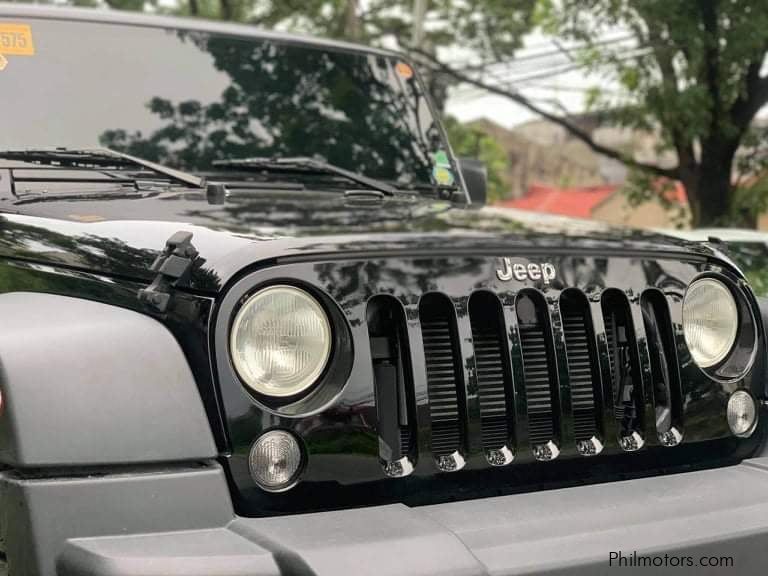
(255, 319)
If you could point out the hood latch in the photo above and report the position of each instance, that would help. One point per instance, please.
(172, 267)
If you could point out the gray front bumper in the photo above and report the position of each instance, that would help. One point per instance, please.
(167, 522)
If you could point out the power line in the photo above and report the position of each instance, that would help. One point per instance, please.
(539, 55)
(477, 92)
(513, 82)
(566, 88)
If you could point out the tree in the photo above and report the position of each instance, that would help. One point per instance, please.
(489, 29)
(492, 29)
(285, 100)
(692, 72)
(470, 141)
(134, 5)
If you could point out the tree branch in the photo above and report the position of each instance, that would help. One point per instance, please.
(226, 9)
(663, 54)
(711, 66)
(572, 129)
(754, 97)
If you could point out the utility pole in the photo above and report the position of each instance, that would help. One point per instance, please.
(419, 14)
(351, 21)
(435, 81)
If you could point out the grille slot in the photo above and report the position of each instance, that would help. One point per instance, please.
(583, 368)
(392, 377)
(494, 379)
(405, 439)
(445, 386)
(538, 368)
(667, 394)
(626, 382)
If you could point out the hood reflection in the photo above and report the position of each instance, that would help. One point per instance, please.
(122, 236)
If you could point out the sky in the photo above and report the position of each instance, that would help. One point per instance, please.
(541, 58)
(540, 71)
(468, 106)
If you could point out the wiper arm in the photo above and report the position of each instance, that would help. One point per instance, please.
(305, 162)
(84, 157)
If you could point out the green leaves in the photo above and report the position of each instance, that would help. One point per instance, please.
(689, 73)
(467, 140)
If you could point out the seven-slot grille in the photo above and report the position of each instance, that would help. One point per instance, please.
(534, 374)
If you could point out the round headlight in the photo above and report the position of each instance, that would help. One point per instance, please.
(280, 341)
(710, 321)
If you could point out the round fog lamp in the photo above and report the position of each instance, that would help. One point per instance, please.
(742, 414)
(275, 461)
(710, 321)
(280, 341)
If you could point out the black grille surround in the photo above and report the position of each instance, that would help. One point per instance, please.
(549, 371)
(469, 421)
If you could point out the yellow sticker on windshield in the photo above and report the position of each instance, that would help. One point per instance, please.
(16, 40)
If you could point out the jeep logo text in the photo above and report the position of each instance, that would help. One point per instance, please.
(522, 272)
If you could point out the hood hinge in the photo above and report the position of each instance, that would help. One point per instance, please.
(172, 268)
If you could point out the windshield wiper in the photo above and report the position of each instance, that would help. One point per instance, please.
(99, 157)
(306, 163)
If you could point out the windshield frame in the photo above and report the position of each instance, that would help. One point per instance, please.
(236, 31)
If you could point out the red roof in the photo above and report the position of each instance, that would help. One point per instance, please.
(677, 194)
(578, 202)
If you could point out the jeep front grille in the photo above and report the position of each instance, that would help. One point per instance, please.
(456, 363)
(540, 376)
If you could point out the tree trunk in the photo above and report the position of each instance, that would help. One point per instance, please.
(710, 197)
(351, 28)
(227, 11)
(709, 187)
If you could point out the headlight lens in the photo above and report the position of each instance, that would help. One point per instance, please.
(280, 341)
(275, 460)
(710, 321)
(742, 414)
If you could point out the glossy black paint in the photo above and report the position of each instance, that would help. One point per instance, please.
(347, 249)
(342, 438)
(121, 236)
(329, 385)
(350, 251)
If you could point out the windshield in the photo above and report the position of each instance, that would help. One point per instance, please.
(187, 98)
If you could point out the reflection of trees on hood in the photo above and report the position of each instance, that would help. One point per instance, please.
(80, 250)
(349, 109)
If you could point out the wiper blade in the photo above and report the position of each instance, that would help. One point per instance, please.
(289, 163)
(101, 157)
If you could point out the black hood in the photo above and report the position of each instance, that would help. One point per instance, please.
(122, 235)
